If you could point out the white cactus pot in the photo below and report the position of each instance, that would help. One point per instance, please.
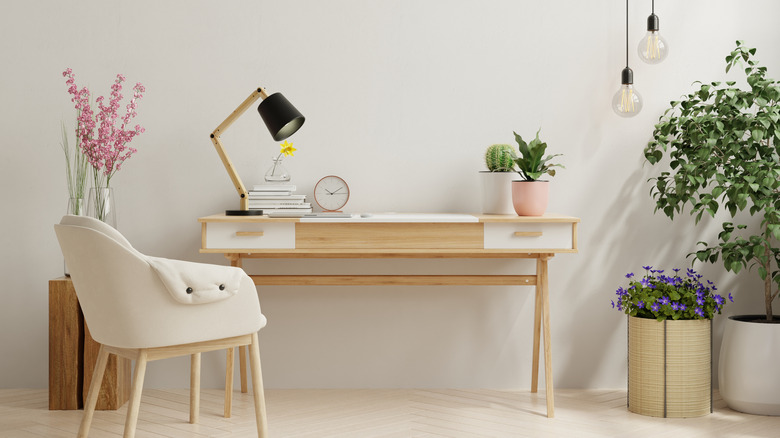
(497, 192)
(748, 368)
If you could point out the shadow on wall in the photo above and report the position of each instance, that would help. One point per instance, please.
(628, 236)
(625, 228)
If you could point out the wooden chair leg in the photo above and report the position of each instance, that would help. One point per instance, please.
(135, 394)
(229, 382)
(194, 387)
(94, 392)
(257, 387)
(242, 366)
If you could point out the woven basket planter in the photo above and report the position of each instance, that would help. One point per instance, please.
(670, 367)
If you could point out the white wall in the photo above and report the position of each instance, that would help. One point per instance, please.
(401, 98)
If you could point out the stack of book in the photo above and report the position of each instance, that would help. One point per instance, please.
(277, 197)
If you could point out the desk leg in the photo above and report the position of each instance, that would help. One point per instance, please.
(548, 376)
(235, 260)
(537, 328)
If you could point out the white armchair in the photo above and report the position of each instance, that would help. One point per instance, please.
(147, 308)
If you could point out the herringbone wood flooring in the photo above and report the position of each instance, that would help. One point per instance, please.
(380, 413)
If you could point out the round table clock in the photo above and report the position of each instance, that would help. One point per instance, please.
(331, 193)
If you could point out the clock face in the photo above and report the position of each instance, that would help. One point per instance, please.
(331, 193)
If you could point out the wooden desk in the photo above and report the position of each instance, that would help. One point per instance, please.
(402, 236)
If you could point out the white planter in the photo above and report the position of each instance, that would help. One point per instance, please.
(748, 368)
(497, 192)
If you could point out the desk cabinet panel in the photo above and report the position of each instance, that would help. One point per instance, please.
(553, 236)
(311, 235)
(250, 235)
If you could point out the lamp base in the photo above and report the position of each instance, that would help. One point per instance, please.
(243, 212)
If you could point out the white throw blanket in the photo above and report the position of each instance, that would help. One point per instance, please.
(197, 283)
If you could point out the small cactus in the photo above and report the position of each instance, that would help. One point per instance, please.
(500, 158)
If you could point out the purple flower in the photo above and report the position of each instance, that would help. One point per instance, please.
(700, 300)
(719, 300)
(645, 282)
(683, 307)
(629, 275)
(641, 304)
(699, 311)
(647, 268)
(675, 306)
(731, 298)
(655, 307)
(613, 303)
(665, 301)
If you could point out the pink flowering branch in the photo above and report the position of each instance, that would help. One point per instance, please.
(103, 142)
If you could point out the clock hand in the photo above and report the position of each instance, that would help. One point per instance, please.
(337, 190)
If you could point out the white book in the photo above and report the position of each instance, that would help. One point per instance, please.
(274, 188)
(279, 204)
(272, 196)
(283, 210)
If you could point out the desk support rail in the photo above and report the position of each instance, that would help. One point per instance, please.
(394, 280)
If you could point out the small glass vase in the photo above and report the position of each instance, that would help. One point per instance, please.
(100, 205)
(277, 172)
(75, 208)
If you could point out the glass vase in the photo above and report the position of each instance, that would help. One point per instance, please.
(277, 172)
(100, 205)
(76, 208)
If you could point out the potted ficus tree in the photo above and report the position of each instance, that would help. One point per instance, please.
(723, 143)
(530, 195)
(497, 180)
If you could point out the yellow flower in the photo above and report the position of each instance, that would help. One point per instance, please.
(287, 148)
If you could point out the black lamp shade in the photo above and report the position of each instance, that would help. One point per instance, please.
(281, 118)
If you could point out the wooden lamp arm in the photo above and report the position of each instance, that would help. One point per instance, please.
(240, 188)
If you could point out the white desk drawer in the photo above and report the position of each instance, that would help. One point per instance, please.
(250, 236)
(557, 236)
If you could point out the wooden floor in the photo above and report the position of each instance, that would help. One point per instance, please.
(380, 413)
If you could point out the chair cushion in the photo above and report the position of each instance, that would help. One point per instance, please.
(197, 283)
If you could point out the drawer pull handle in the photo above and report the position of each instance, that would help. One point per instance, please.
(249, 233)
(528, 234)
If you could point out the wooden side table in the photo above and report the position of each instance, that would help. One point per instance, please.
(73, 353)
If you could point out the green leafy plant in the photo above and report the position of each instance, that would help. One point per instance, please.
(723, 145)
(658, 296)
(531, 162)
(500, 158)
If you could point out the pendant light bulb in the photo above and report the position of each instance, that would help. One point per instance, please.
(627, 102)
(653, 48)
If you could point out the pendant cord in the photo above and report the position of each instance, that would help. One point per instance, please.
(653, 6)
(627, 33)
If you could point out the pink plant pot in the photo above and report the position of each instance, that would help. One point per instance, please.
(530, 197)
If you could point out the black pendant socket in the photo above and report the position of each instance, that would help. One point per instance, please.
(652, 23)
(627, 76)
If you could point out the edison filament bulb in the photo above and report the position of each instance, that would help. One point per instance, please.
(627, 102)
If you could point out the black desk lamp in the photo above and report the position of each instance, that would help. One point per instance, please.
(282, 120)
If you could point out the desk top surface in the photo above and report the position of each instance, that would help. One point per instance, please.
(402, 218)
